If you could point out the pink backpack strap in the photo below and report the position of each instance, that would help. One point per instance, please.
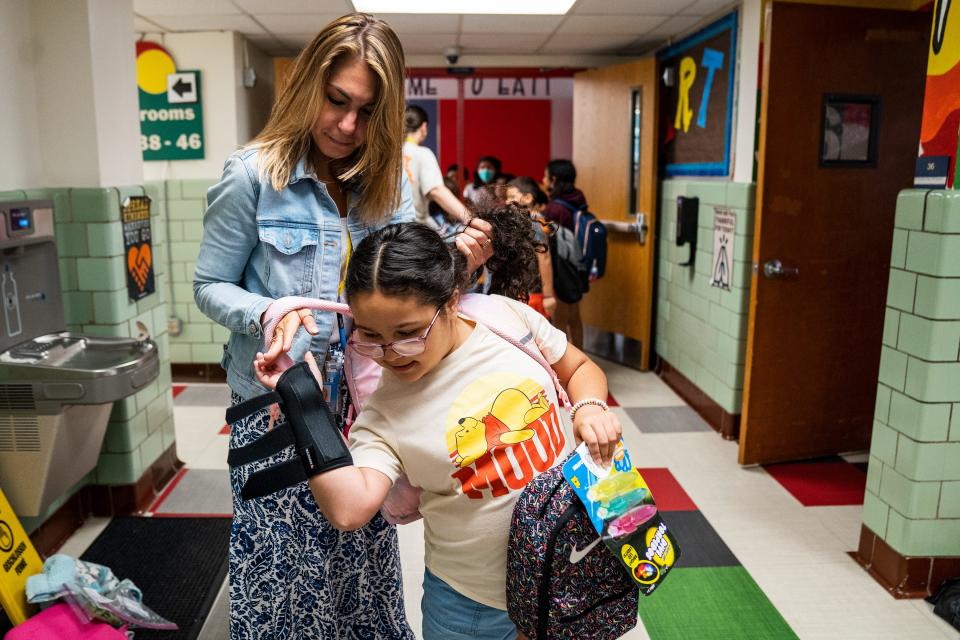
(283, 306)
(363, 374)
(489, 312)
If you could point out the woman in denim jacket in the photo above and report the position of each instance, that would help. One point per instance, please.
(282, 221)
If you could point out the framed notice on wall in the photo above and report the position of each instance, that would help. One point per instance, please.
(696, 101)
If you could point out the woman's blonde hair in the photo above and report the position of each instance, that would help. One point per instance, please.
(374, 168)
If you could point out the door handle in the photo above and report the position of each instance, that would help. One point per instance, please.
(638, 228)
(774, 270)
(642, 227)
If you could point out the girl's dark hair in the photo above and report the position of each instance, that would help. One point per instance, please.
(565, 174)
(529, 186)
(411, 259)
(413, 118)
(477, 182)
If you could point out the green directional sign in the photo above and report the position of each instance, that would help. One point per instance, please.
(171, 122)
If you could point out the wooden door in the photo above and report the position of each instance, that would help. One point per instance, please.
(605, 102)
(814, 337)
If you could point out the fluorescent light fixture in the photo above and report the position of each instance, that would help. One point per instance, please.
(501, 7)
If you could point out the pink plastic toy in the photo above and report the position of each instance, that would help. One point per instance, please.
(59, 623)
(630, 521)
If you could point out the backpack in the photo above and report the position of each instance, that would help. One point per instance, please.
(946, 603)
(591, 235)
(548, 596)
(570, 276)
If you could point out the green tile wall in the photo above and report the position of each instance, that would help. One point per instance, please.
(702, 330)
(913, 482)
(182, 204)
(90, 246)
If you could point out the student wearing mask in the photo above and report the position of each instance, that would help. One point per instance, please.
(488, 169)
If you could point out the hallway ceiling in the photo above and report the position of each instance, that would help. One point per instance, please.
(590, 27)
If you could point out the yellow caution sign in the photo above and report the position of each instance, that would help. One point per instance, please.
(19, 560)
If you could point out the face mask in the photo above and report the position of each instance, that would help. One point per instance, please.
(485, 175)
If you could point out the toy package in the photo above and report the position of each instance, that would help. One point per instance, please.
(624, 513)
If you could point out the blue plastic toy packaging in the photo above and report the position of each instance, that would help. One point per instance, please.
(622, 509)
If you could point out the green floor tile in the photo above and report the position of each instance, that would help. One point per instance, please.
(716, 603)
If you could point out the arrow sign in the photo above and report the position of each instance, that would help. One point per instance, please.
(181, 87)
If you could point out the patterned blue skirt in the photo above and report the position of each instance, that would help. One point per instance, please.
(293, 576)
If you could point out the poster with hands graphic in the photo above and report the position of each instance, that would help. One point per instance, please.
(137, 246)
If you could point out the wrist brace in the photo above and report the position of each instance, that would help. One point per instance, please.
(316, 439)
(309, 427)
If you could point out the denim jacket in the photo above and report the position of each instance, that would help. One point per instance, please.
(259, 245)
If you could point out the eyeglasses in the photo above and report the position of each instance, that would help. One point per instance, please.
(404, 348)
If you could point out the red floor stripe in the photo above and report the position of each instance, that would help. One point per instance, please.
(611, 401)
(225, 430)
(668, 493)
(823, 483)
(178, 389)
(166, 492)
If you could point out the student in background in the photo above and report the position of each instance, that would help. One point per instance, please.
(559, 178)
(423, 172)
(526, 192)
(488, 169)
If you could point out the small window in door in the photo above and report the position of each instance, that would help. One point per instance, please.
(636, 113)
(849, 131)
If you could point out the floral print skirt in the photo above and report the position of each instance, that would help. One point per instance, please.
(293, 576)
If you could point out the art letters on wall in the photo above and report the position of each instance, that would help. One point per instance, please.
(696, 104)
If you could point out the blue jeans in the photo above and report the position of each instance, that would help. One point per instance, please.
(449, 615)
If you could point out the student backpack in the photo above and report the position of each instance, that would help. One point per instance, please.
(591, 236)
(562, 582)
(570, 277)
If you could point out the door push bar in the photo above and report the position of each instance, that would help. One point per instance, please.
(637, 228)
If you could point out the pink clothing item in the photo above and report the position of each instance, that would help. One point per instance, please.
(58, 623)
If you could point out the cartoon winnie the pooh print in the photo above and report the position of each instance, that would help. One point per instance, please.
(510, 413)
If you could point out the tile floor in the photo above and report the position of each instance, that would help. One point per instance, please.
(761, 564)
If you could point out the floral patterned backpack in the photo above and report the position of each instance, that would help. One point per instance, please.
(561, 581)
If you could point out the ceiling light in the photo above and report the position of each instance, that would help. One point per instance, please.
(531, 7)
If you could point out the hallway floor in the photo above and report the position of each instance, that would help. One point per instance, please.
(757, 563)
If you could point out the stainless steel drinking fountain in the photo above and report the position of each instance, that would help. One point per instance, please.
(57, 388)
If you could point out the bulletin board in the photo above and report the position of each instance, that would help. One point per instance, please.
(696, 101)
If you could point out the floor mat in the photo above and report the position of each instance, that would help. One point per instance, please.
(178, 563)
(712, 603)
(666, 419)
(667, 492)
(700, 544)
(197, 492)
(825, 482)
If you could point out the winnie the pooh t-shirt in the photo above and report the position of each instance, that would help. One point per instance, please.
(471, 433)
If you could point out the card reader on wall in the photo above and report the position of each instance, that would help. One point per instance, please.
(688, 210)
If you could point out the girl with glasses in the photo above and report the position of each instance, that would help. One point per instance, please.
(467, 416)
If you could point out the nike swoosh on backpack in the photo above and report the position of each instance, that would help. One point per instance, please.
(576, 555)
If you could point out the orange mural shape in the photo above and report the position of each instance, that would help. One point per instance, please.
(139, 260)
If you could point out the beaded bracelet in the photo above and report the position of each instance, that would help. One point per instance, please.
(582, 403)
